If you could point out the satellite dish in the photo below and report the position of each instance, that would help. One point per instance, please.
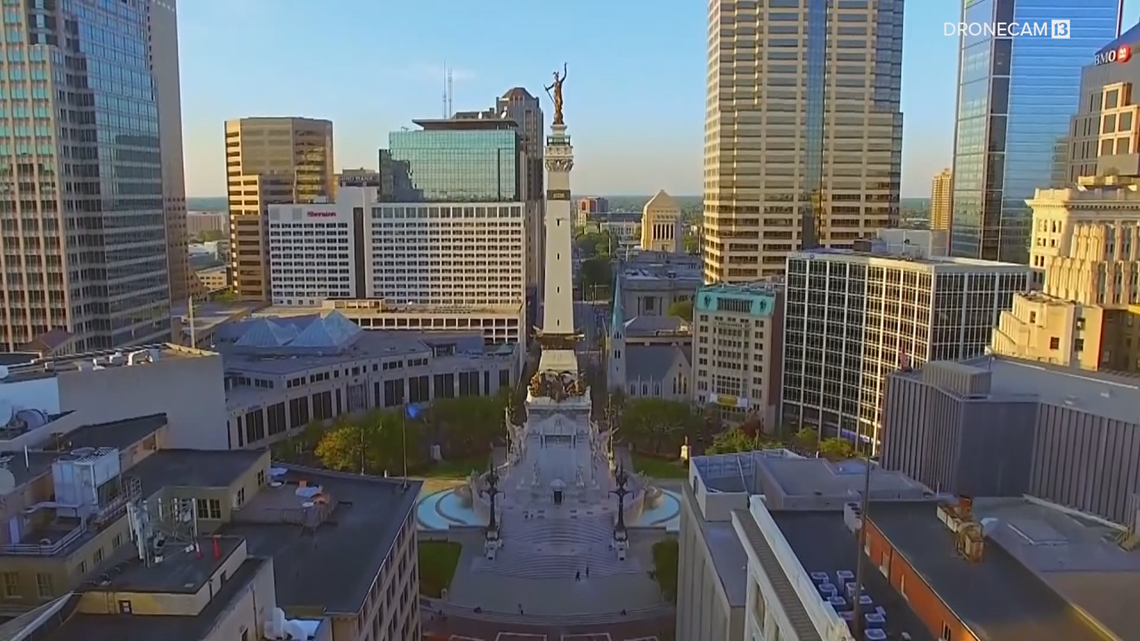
(7, 481)
(6, 412)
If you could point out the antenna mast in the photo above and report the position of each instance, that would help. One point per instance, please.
(450, 95)
(445, 77)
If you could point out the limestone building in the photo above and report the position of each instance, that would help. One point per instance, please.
(786, 89)
(1085, 253)
(661, 224)
(738, 348)
(271, 160)
(649, 356)
(940, 200)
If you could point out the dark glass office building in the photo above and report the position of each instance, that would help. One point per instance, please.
(455, 160)
(1016, 96)
(81, 173)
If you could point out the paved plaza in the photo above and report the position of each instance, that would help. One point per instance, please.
(555, 593)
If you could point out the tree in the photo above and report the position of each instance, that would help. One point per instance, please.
(210, 235)
(691, 243)
(805, 441)
(374, 444)
(836, 449)
(465, 426)
(655, 425)
(596, 274)
(682, 309)
(734, 440)
(592, 244)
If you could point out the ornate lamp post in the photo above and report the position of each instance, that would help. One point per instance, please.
(492, 542)
(621, 537)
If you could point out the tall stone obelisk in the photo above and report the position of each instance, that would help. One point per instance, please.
(557, 335)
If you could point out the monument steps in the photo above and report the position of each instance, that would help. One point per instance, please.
(557, 547)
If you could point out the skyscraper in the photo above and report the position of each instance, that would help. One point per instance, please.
(271, 161)
(1016, 96)
(81, 209)
(772, 119)
(168, 93)
(940, 200)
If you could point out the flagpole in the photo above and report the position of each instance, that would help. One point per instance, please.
(404, 443)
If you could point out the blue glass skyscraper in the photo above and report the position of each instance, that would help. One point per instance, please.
(455, 160)
(1016, 96)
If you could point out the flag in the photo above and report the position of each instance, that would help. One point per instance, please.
(413, 411)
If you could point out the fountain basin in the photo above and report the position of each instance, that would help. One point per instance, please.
(438, 511)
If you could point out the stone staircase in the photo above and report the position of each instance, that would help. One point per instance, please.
(558, 547)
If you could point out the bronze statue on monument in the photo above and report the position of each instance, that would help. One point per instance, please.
(557, 95)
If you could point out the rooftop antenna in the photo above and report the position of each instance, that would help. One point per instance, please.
(450, 95)
(446, 75)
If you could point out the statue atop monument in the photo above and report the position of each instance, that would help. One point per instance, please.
(557, 95)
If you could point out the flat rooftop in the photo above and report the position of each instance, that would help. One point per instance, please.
(358, 307)
(999, 598)
(728, 555)
(127, 627)
(334, 565)
(193, 468)
(822, 543)
(48, 367)
(834, 253)
(1109, 395)
(789, 475)
(117, 434)
(180, 572)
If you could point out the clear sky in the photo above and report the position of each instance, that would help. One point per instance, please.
(634, 96)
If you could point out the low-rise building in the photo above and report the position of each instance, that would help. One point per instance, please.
(203, 545)
(213, 279)
(756, 527)
(661, 224)
(738, 336)
(997, 426)
(650, 287)
(1007, 569)
(57, 394)
(282, 373)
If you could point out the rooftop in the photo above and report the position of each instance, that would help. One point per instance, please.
(180, 572)
(355, 306)
(117, 434)
(758, 288)
(461, 124)
(49, 366)
(125, 627)
(782, 476)
(1099, 393)
(193, 468)
(334, 565)
(655, 325)
(1070, 566)
(652, 362)
(822, 542)
(728, 555)
(899, 259)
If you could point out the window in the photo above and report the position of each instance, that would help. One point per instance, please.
(43, 585)
(11, 585)
(117, 541)
(124, 607)
(209, 509)
(245, 635)
(1054, 343)
(1079, 345)
(241, 497)
(945, 636)
(83, 568)
(99, 555)
(260, 478)
(1080, 323)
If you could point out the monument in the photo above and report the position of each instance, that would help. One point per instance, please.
(558, 464)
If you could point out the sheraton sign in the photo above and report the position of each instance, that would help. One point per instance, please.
(322, 214)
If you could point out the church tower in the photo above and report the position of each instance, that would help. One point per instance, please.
(616, 356)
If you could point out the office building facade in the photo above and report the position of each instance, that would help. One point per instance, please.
(940, 194)
(88, 254)
(770, 122)
(168, 94)
(1015, 100)
(853, 317)
(271, 161)
(738, 352)
(998, 426)
(449, 229)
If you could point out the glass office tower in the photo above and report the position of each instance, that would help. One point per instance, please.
(81, 173)
(1016, 96)
(453, 161)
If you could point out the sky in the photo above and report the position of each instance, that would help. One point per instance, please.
(634, 95)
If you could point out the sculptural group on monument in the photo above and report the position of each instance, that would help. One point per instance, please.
(557, 386)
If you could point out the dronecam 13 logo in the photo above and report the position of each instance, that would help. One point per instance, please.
(1059, 29)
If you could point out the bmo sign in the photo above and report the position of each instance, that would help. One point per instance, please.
(1119, 54)
(322, 214)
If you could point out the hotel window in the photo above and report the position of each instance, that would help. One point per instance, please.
(11, 584)
(43, 585)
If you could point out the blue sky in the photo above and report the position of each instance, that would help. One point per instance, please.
(634, 97)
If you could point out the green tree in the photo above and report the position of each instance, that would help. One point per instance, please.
(466, 426)
(691, 243)
(592, 244)
(733, 440)
(836, 449)
(373, 444)
(210, 235)
(682, 309)
(224, 296)
(657, 425)
(595, 277)
(806, 441)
